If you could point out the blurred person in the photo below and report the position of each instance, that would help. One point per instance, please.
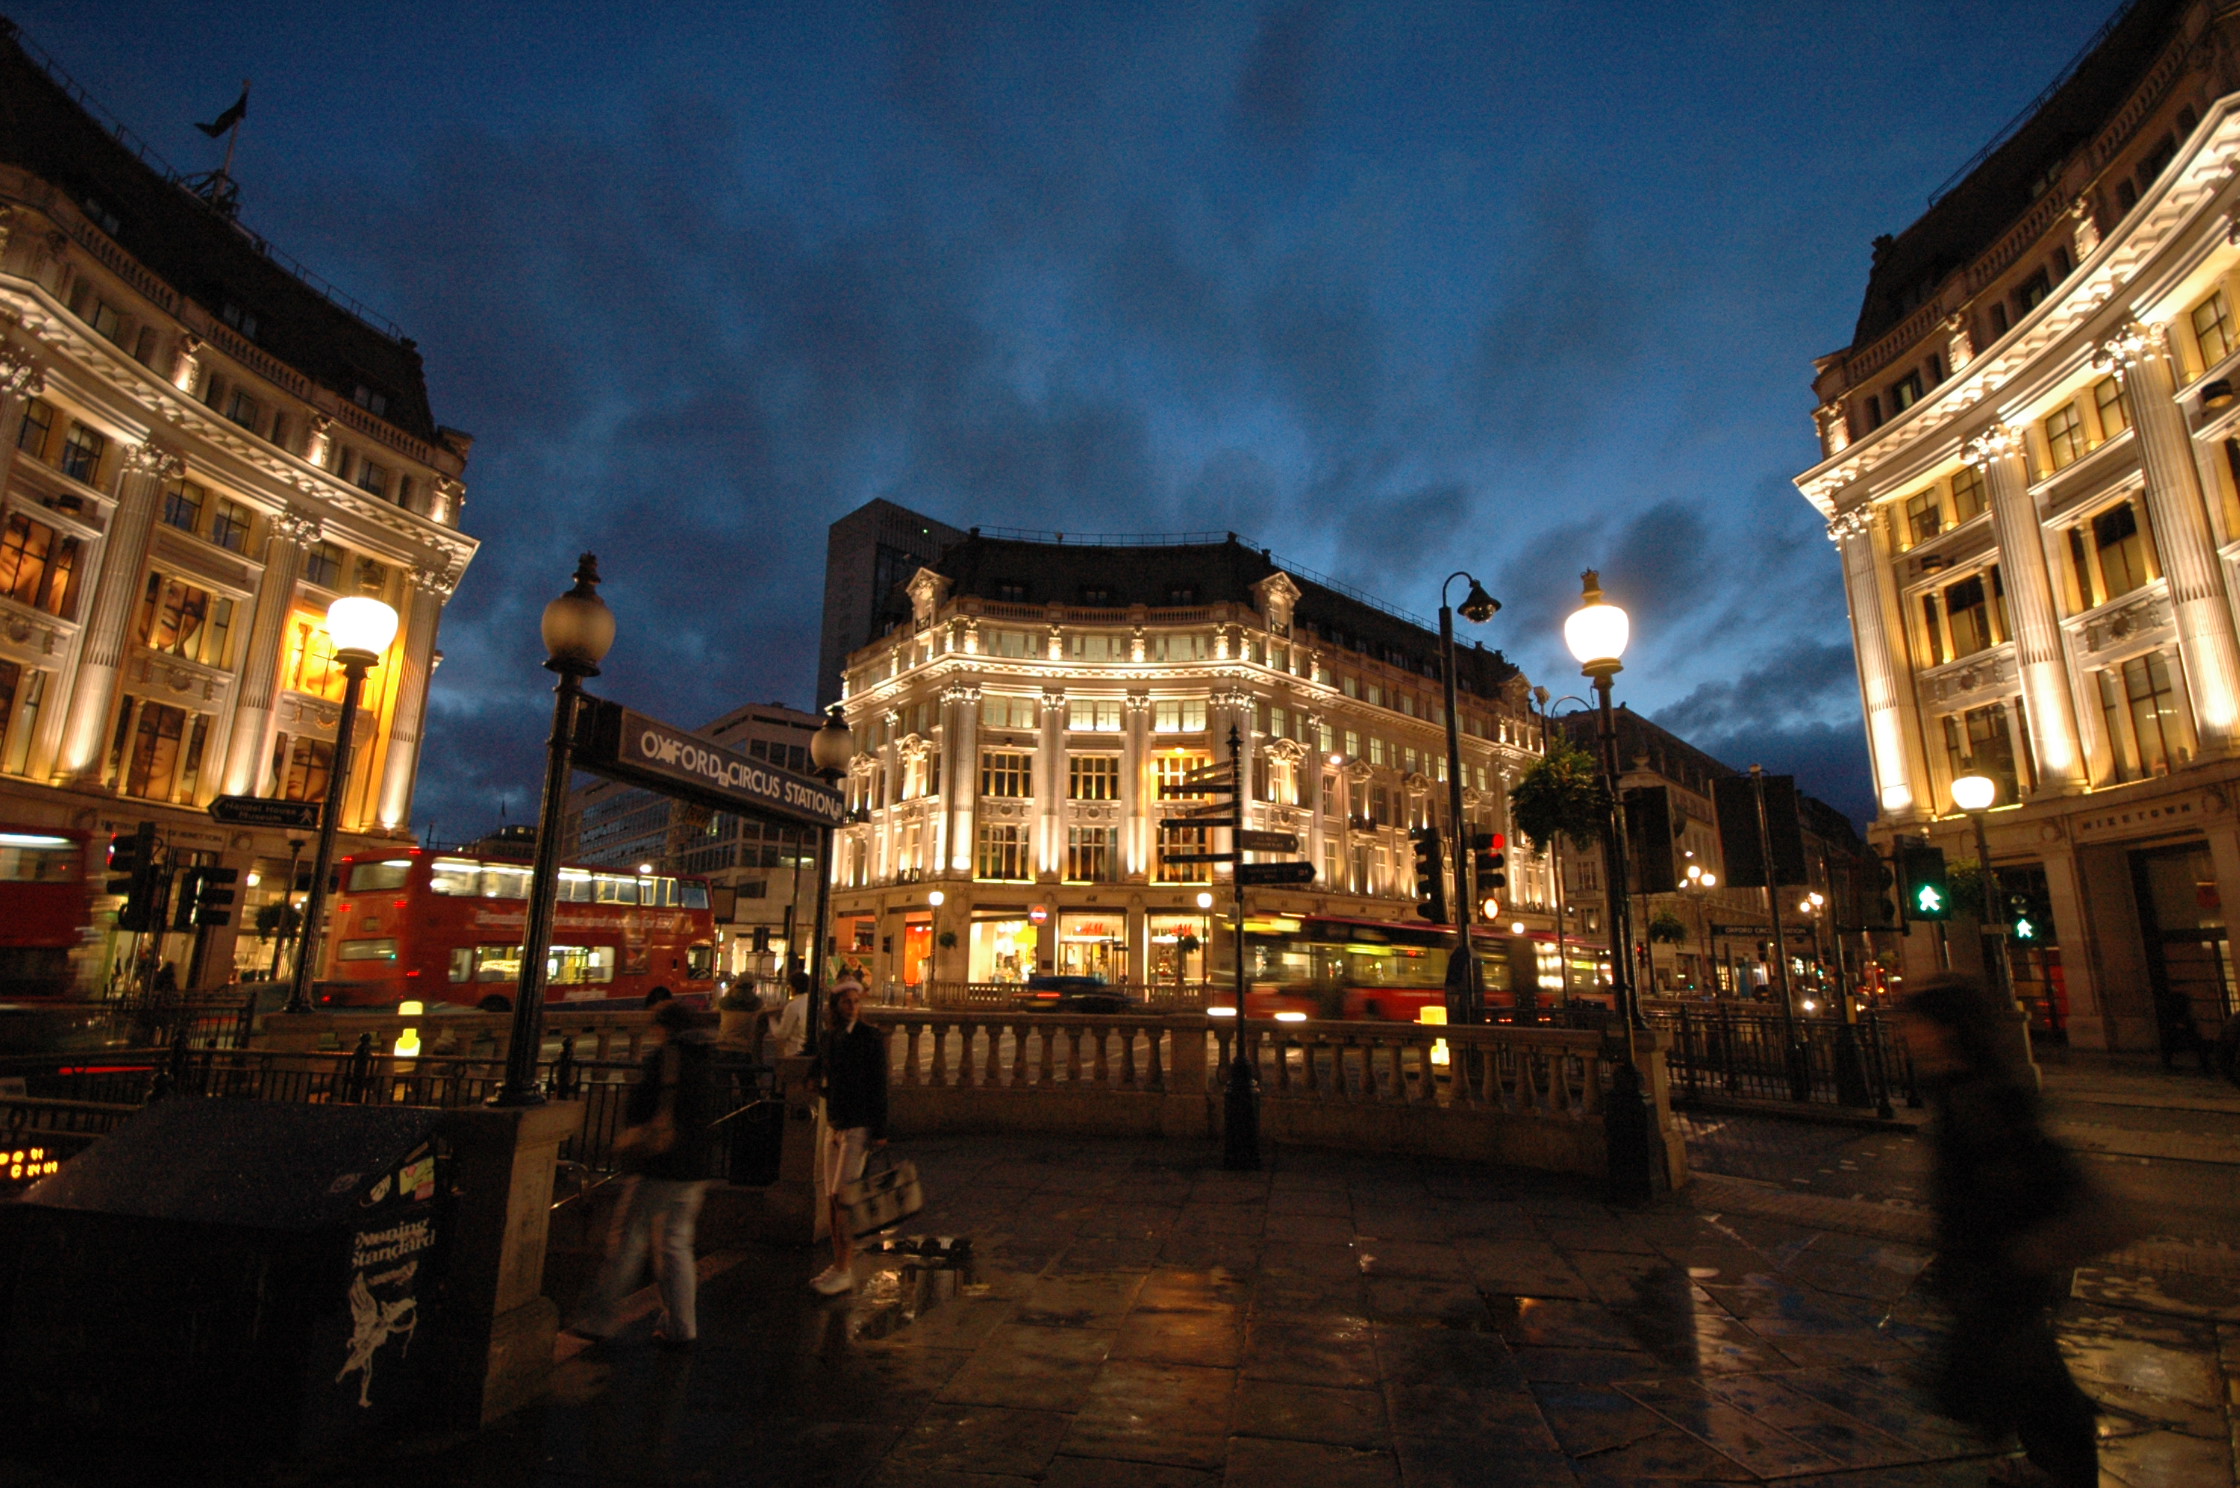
(668, 1153)
(851, 1072)
(2014, 1216)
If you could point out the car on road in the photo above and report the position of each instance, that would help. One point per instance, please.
(1076, 994)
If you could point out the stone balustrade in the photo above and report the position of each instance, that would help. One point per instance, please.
(1527, 1097)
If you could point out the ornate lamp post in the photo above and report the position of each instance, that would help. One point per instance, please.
(361, 628)
(1975, 794)
(830, 750)
(1699, 886)
(1597, 633)
(578, 632)
(1477, 607)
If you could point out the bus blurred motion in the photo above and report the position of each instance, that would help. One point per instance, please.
(445, 930)
(1319, 966)
(45, 903)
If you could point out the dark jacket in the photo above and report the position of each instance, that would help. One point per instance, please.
(687, 1060)
(853, 1069)
(1998, 1174)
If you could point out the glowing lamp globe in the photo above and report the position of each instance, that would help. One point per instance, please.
(1974, 792)
(361, 627)
(937, 898)
(578, 628)
(1597, 631)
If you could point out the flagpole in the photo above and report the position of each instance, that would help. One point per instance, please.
(233, 135)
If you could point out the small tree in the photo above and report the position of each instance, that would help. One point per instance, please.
(1964, 877)
(1666, 928)
(1561, 792)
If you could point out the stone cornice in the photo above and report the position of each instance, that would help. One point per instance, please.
(2151, 227)
(161, 403)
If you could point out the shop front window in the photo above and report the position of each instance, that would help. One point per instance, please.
(1178, 948)
(1002, 950)
(1093, 945)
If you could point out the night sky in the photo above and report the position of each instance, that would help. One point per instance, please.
(1390, 288)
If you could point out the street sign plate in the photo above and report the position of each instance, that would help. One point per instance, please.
(629, 746)
(256, 811)
(1199, 792)
(1204, 816)
(1198, 857)
(1275, 873)
(1209, 772)
(1268, 841)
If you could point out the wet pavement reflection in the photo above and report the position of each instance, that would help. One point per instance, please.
(1083, 1313)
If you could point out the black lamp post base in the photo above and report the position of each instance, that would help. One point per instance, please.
(1627, 1130)
(1240, 1115)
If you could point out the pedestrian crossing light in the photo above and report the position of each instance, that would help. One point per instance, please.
(1928, 895)
(2024, 929)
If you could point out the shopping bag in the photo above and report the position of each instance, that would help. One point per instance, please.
(882, 1198)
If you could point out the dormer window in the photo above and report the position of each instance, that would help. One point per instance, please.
(368, 399)
(240, 319)
(1182, 594)
(1010, 592)
(1097, 594)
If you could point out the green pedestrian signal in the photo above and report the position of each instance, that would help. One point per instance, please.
(1928, 896)
(2024, 930)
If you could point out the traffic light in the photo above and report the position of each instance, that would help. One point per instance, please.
(1928, 896)
(182, 909)
(135, 874)
(2030, 915)
(211, 894)
(1487, 865)
(1431, 876)
(1877, 906)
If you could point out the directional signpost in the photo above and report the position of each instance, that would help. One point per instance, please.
(1267, 842)
(257, 811)
(1275, 873)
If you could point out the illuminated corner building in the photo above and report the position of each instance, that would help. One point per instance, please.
(763, 874)
(1030, 695)
(202, 449)
(2029, 457)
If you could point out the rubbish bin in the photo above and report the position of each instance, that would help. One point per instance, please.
(261, 1276)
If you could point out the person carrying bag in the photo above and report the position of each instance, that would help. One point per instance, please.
(851, 1072)
(666, 1153)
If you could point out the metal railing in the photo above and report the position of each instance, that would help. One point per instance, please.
(1723, 1052)
(1158, 997)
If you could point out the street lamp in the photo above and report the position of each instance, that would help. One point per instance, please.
(1597, 633)
(360, 628)
(1555, 843)
(830, 750)
(1699, 885)
(1975, 795)
(1477, 607)
(578, 631)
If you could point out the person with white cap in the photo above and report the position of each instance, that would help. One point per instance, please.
(851, 1072)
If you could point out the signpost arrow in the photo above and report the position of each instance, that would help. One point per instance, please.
(257, 811)
(1275, 873)
(1198, 857)
(1250, 841)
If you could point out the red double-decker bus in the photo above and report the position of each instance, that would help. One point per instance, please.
(45, 902)
(1324, 966)
(445, 930)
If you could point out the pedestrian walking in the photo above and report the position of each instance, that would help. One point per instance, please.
(851, 1072)
(667, 1152)
(2014, 1216)
(793, 1022)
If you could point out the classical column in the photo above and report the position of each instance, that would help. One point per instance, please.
(431, 590)
(1998, 452)
(1050, 787)
(1139, 804)
(963, 749)
(2198, 602)
(146, 467)
(293, 534)
(1310, 792)
(1883, 685)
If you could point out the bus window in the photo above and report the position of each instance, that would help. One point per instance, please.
(372, 878)
(614, 889)
(383, 948)
(574, 965)
(462, 963)
(36, 857)
(455, 876)
(699, 959)
(497, 963)
(575, 888)
(695, 895)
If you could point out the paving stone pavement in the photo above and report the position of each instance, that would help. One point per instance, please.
(1135, 1317)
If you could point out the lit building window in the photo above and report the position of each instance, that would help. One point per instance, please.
(2065, 439)
(1093, 777)
(1003, 852)
(1006, 773)
(1088, 854)
(1093, 715)
(1179, 716)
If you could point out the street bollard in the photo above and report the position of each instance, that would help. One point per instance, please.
(1240, 1112)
